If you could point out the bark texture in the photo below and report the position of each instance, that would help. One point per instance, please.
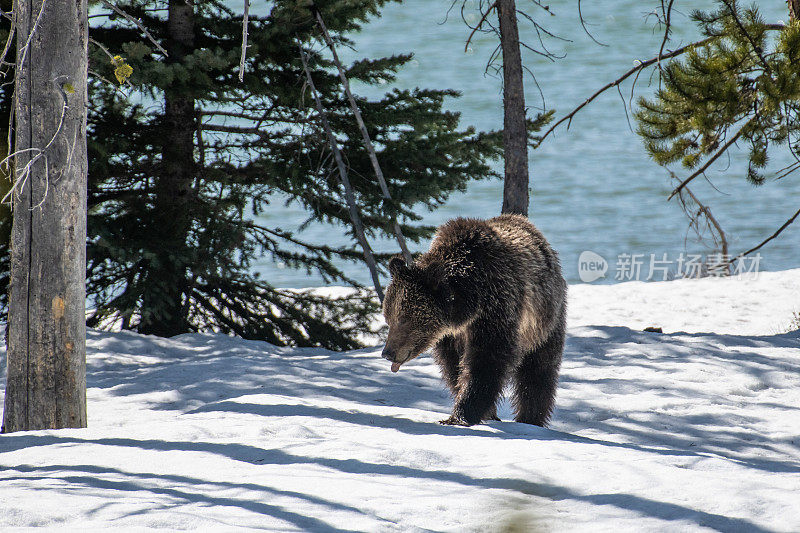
(163, 309)
(794, 9)
(515, 134)
(46, 380)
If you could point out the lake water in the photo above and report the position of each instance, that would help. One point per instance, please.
(592, 186)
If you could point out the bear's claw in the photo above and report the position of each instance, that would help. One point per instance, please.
(454, 421)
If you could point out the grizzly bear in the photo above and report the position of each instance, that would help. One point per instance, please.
(490, 299)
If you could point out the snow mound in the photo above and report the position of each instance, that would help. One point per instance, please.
(683, 431)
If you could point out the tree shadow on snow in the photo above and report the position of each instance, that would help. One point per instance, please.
(183, 490)
(208, 379)
(258, 456)
(724, 429)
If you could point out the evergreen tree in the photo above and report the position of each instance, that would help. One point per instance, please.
(183, 156)
(741, 85)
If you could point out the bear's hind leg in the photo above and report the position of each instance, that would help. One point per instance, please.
(536, 380)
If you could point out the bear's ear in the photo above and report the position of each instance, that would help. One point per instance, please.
(397, 266)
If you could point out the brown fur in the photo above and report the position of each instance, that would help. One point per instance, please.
(490, 299)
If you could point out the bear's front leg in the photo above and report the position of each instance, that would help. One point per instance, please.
(447, 353)
(488, 356)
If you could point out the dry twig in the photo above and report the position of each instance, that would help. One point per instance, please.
(711, 159)
(355, 218)
(138, 24)
(398, 233)
(244, 38)
(765, 241)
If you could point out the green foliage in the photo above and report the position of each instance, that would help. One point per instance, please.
(252, 140)
(744, 82)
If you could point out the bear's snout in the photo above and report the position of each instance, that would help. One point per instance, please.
(388, 354)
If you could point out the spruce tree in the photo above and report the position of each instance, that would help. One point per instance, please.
(183, 155)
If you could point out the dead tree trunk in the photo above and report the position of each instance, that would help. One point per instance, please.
(794, 9)
(515, 133)
(46, 385)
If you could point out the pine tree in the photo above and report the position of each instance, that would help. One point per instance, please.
(742, 85)
(183, 155)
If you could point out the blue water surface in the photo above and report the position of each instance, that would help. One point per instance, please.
(592, 186)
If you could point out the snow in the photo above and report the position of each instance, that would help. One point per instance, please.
(695, 429)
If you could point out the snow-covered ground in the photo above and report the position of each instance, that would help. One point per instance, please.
(696, 429)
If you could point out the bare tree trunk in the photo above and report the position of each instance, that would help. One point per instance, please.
(46, 335)
(163, 310)
(515, 133)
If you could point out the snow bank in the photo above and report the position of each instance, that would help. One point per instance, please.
(692, 430)
(757, 306)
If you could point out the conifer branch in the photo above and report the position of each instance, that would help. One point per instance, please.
(634, 70)
(355, 218)
(223, 128)
(641, 66)
(711, 159)
(734, 13)
(398, 233)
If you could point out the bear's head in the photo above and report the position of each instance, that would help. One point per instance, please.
(415, 308)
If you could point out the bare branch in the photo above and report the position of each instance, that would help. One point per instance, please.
(638, 68)
(622, 78)
(355, 217)
(398, 233)
(667, 12)
(711, 159)
(480, 23)
(694, 218)
(583, 25)
(21, 176)
(244, 39)
(138, 24)
(8, 42)
(101, 47)
(765, 241)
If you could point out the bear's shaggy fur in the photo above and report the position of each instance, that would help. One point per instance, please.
(490, 299)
